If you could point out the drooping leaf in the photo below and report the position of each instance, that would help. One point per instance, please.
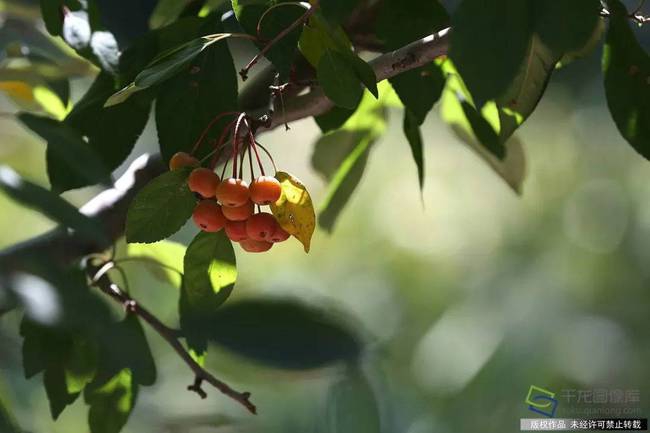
(419, 89)
(489, 64)
(76, 164)
(284, 334)
(210, 276)
(294, 210)
(111, 402)
(333, 119)
(319, 36)
(160, 209)
(270, 22)
(352, 405)
(340, 157)
(483, 130)
(7, 422)
(52, 13)
(58, 394)
(414, 138)
(205, 87)
(163, 259)
(566, 26)
(49, 204)
(627, 74)
(365, 74)
(98, 124)
(339, 80)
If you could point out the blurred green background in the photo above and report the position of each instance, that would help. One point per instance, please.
(467, 294)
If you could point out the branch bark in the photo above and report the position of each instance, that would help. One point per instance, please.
(109, 207)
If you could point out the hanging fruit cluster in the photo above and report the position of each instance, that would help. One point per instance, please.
(232, 204)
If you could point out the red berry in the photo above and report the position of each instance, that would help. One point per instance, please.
(208, 217)
(239, 213)
(203, 181)
(233, 192)
(261, 226)
(265, 190)
(280, 235)
(183, 159)
(253, 246)
(236, 230)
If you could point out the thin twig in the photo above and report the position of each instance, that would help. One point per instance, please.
(99, 277)
(282, 34)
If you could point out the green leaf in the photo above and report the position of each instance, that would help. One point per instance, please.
(352, 405)
(52, 13)
(566, 26)
(166, 66)
(210, 275)
(98, 124)
(7, 422)
(205, 88)
(283, 52)
(111, 403)
(336, 11)
(627, 74)
(414, 138)
(163, 259)
(210, 271)
(283, 334)
(49, 204)
(365, 73)
(319, 36)
(333, 119)
(419, 89)
(488, 64)
(341, 156)
(161, 208)
(339, 80)
(71, 162)
(483, 130)
(57, 391)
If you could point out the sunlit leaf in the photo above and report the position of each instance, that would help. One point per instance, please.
(627, 77)
(163, 259)
(111, 403)
(295, 210)
(161, 208)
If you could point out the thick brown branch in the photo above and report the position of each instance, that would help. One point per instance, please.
(101, 280)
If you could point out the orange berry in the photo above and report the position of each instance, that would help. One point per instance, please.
(265, 190)
(253, 246)
(208, 217)
(280, 235)
(203, 181)
(239, 213)
(236, 230)
(233, 192)
(182, 159)
(261, 226)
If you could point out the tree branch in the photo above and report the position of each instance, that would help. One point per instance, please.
(110, 206)
(99, 277)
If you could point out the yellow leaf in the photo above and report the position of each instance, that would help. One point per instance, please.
(295, 210)
(18, 90)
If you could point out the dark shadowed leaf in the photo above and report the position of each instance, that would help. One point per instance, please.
(627, 74)
(7, 422)
(340, 157)
(489, 64)
(161, 208)
(352, 405)
(414, 138)
(566, 26)
(283, 52)
(483, 130)
(339, 80)
(333, 119)
(52, 13)
(284, 334)
(210, 274)
(98, 124)
(336, 11)
(365, 73)
(419, 89)
(204, 88)
(71, 162)
(49, 204)
(111, 402)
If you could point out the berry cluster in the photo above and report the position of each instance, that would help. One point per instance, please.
(229, 203)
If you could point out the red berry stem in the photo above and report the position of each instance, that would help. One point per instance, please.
(250, 162)
(220, 144)
(275, 168)
(251, 139)
(207, 129)
(235, 143)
